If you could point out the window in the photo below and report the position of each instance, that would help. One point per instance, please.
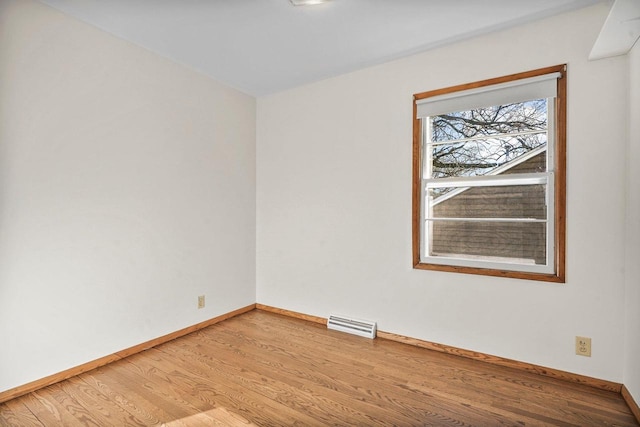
(489, 177)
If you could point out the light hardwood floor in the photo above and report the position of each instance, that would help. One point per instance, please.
(265, 369)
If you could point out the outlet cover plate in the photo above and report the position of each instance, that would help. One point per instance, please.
(583, 346)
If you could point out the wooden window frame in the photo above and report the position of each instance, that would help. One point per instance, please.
(558, 275)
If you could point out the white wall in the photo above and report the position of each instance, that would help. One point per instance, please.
(127, 189)
(334, 204)
(632, 273)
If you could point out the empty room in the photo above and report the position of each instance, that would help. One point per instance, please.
(339, 212)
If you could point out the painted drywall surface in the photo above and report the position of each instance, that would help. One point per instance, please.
(127, 189)
(334, 204)
(632, 272)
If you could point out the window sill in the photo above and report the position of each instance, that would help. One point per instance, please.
(543, 277)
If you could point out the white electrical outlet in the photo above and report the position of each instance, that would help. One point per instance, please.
(201, 301)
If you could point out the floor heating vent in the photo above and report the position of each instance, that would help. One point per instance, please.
(363, 328)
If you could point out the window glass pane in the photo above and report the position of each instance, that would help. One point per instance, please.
(489, 140)
(522, 243)
(512, 201)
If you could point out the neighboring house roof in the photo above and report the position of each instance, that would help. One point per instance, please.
(497, 171)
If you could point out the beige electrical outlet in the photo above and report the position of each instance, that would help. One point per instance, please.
(583, 346)
(201, 301)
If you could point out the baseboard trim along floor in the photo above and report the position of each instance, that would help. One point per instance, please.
(77, 370)
(487, 358)
(496, 360)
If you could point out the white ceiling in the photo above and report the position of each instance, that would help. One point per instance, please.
(265, 46)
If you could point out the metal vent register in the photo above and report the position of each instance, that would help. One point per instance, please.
(363, 328)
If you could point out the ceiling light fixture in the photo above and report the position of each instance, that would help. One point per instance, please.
(307, 2)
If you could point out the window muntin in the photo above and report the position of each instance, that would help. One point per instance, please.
(486, 185)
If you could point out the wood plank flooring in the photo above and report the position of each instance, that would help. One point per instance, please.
(265, 369)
